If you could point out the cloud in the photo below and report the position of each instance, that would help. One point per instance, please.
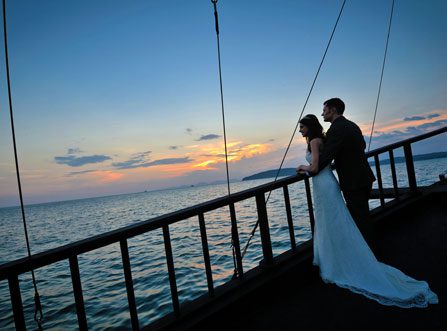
(220, 154)
(414, 118)
(433, 124)
(174, 147)
(77, 161)
(211, 155)
(130, 165)
(408, 132)
(188, 131)
(172, 160)
(400, 125)
(99, 176)
(127, 164)
(141, 155)
(208, 137)
(74, 161)
(75, 173)
(75, 150)
(135, 161)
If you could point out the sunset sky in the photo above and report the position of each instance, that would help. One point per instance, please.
(116, 97)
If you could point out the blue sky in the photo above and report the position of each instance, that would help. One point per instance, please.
(114, 97)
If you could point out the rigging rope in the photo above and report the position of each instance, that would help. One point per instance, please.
(216, 20)
(297, 124)
(381, 75)
(38, 314)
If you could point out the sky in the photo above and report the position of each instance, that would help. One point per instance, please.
(114, 97)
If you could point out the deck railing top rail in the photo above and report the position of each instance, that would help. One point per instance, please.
(82, 246)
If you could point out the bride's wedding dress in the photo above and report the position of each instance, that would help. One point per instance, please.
(345, 259)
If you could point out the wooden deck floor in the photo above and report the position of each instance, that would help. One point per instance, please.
(413, 240)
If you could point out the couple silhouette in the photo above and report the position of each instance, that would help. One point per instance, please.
(343, 234)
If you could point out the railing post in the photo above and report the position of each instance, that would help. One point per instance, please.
(309, 204)
(206, 255)
(410, 168)
(77, 291)
(393, 173)
(379, 179)
(235, 240)
(289, 217)
(264, 229)
(171, 270)
(16, 300)
(129, 284)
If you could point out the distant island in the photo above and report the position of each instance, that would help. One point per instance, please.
(272, 173)
(292, 171)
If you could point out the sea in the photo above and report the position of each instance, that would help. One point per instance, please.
(51, 225)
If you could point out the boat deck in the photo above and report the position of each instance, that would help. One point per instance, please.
(414, 240)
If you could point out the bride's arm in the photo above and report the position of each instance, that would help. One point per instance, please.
(315, 147)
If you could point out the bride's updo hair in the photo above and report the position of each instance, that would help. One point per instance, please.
(315, 130)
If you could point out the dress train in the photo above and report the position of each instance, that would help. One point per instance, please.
(346, 260)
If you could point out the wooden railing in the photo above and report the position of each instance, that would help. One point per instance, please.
(409, 162)
(70, 252)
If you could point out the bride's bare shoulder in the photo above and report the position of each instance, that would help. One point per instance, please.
(316, 143)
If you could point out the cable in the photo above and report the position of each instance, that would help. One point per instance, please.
(216, 20)
(38, 314)
(381, 75)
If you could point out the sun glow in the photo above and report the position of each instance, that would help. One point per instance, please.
(107, 176)
(204, 164)
(213, 154)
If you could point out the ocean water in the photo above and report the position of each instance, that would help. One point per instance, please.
(54, 224)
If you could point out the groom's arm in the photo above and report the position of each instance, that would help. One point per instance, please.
(334, 141)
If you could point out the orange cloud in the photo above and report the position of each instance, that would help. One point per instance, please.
(236, 150)
(204, 164)
(251, 150)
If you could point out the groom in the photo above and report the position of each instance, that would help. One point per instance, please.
(346, 146)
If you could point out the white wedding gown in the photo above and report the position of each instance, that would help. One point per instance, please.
(345, 259)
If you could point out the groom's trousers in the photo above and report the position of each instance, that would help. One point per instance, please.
(357, 203)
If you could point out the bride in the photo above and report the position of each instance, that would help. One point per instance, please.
(340, 251)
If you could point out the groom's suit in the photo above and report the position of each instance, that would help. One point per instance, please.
(346, 146)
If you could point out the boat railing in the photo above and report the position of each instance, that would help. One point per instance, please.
(10, 271)
(409, 162)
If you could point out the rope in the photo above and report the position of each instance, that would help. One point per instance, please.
(38, 314)
(381, 75)
(216, 20)
(297, 124)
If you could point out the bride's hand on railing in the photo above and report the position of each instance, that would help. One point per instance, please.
(301, 169)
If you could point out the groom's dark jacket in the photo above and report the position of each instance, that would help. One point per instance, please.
(346, 146)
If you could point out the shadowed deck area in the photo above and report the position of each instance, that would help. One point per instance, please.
(413, 239)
